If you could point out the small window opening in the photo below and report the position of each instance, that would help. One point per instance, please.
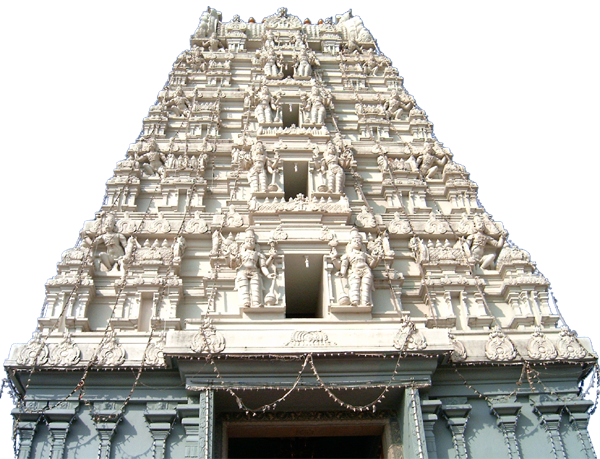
(288, 71)
(303, 292)
(295, 178)
(145, 312)
(290, 115)
(181, 200)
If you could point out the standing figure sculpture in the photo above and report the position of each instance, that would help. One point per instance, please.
(265, 106)
(314, 106)
(257, 175)
(476, 242)
(250, 265)
(304, 63)
(398, 103)
(356, 265)
(336, 176)
(113, 241)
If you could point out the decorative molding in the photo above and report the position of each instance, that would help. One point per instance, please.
(498, 347)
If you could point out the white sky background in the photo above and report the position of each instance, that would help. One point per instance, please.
(556, 115)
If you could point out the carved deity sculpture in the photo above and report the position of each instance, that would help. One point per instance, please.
(113, 241)
(257, 175)
(250, 265)
(267, 109)
(271, 62)
(152, 160)
(335, 173)
(314, 106)
(213, 43)
(178, 104)
(304, 60)
(356, 265)
(398, 103)
(430, 160)
(476, 242)
(208, 23)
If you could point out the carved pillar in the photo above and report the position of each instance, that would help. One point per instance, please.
(411, 425)
(508, 414)
(579, 419)
(198, 423)
(550, 414)
(430, 410)
(26, 425)
(106, 420)
(457, 417)
(160, 420)
(59, 422)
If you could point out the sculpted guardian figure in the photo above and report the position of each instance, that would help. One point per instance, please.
(266, 106)
(430, 160)
(250, 265)
(476, 242)
(356, 265)
(152, 160)
(113, 242)
(314, 106)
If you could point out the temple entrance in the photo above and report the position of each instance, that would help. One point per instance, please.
(306, 447)
(305, 440)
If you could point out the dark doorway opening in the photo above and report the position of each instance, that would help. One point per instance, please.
(303, 290)
(307, 447)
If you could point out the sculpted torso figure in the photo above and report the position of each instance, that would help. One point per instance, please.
(114, 242)
(476, 242)
(257, 175)
(250, 264)
(303, 67)
(264, 107)
(356, 265)
(153, 161)
(335, 172)
(429, 161)
(316, 105)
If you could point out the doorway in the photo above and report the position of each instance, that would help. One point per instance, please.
(363, 446)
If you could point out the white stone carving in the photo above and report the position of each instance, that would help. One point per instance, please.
(459, 352)
(539, 347)
(208, 339)
(499, 347)
(250, 265)
(409, 338)
(365, 219)
(302, 338)
(430, 160)
(111, 353)
(196, 225)
(35, 352)
(477, 241)
(568, 345)
(434, 225)
(399, 225)
(159, 225)
(66, 354)
(154, 352)
(356, 266)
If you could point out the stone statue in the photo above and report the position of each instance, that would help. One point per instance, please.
(304, 60)
(267, 107)
(178, 104)
(113, 242)
(153, 160)
(476, 242)
(271, 63)
(398, 103)
(257, 175)
(250, 265)
(208, 23)
(356, 265)
(314, 106)
(213, 43)
(335, 173)
(429, 160)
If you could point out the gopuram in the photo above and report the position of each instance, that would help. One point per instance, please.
(289, 263)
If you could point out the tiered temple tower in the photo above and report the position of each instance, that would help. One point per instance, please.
(289, 263)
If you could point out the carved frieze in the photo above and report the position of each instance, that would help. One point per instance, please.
(409, 338)
(568, 346)
(66, 354)
(208, 339)
(35, 352)
(111, 353)
(302, 338)
(499, 347)
(539, 347)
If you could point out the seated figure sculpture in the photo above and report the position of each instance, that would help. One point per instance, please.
(356, 265)
(430, 160)
(250, 265)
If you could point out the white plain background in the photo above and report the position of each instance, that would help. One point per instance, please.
(556, 115)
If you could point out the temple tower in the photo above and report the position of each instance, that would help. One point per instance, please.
(288, 262)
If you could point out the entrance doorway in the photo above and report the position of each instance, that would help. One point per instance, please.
(306, 447)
